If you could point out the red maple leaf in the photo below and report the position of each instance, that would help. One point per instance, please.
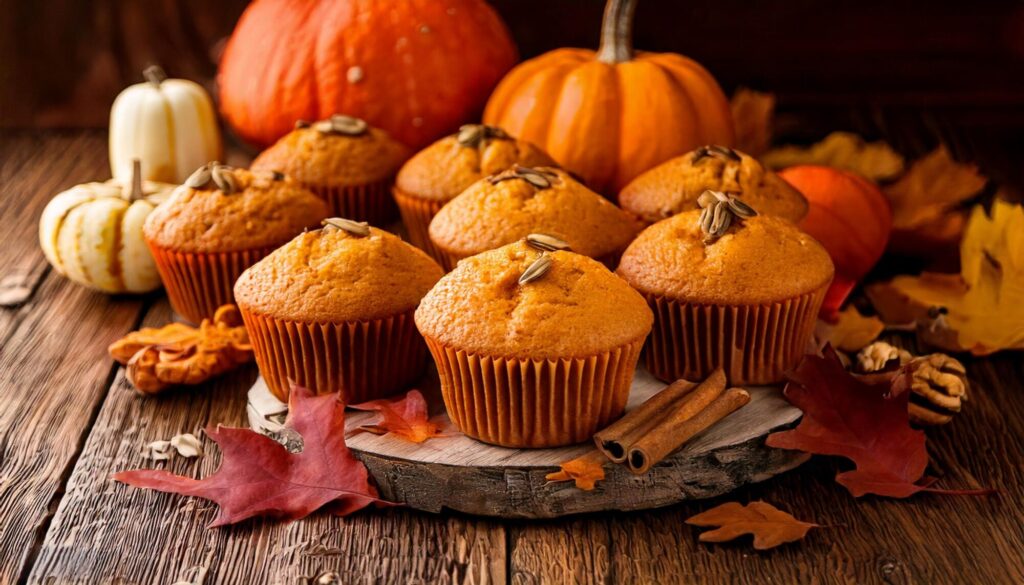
(258, 477)
(406, 417)
(862, 419)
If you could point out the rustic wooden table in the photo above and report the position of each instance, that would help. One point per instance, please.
(69, 419)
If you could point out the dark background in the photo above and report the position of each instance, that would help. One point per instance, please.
(913, 72)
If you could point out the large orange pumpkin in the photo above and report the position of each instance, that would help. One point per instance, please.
(416, 68)
(611, 115)
(851, 218)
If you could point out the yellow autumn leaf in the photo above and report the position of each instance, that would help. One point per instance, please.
(984, 304)
(752, 113)
(842, 150)
(852, 331)
(933, 185)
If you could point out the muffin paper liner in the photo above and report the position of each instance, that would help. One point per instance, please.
(521, 402)
(198, 283)
(755, 344)
(371, 202)
(416, 215)
(364, 360)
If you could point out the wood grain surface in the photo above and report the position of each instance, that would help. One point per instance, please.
(69, 420)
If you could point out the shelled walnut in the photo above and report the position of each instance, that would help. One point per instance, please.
(939, 382)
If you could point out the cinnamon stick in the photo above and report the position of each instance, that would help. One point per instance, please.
(676, 430)
(613, 440)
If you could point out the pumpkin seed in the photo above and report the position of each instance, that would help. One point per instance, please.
(359, 229)
(539, 178)
(348, 125)
(707, 198)
(546, 243)
(473, 135)
(199, 178)
(716, 151)
(705, 220)
(278, 175)
(299, 124)
(740, 208)
(537, 269)
(224, 179)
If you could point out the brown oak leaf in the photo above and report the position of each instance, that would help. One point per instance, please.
(769, 525)
(258, 477)
(863, 419)
(406, 417)
(585, 470)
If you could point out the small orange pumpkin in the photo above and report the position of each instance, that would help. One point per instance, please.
(611, 115)
(852, 219)
(415, 68)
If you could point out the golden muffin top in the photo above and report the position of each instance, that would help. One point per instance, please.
(337, 152)
(506, 207)
(221, 209)
(674, 186)
(572, 307)
(447, 167)
(348, 273)
(761, 259)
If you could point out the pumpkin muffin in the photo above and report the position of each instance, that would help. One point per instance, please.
(438, 173)
(535, 346)
(332, 310)
(506, 207)
(674, 186)
(220, 222)
(345, 162)
(729, 289)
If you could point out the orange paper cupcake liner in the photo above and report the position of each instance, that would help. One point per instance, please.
(198, 283)
(516, 402)
(754, 344)
(416, 215)
(364, 360)
(371, 202)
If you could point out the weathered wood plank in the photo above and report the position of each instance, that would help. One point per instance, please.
(568, 551)
(53, 374)
(108, 532)
(33, 168)
(926, 539)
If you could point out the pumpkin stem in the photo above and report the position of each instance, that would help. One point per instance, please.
(136, 193)
(617, 32)
(154, 74)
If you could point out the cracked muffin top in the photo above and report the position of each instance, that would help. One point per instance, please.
(758, 260)
(332, 274)
(340, 151)
(449, 166)
(576, 308)
(261, 210)
(674, 186)
(508, 206)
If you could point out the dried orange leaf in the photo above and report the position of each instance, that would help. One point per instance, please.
(842, 150)
(984, 304)
(586, 470)
(853, 330)
(932, 187)
(752, 113)
(769, 525)
(406, 417)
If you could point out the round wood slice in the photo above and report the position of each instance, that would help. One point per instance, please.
(463, 474)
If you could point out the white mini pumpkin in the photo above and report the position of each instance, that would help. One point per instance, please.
(169, 124)
(92, 234)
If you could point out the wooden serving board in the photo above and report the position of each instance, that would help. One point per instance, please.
(460, 473)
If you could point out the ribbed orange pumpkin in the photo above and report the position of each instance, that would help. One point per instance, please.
(416, 68)
(850, 217)
(611, 115)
